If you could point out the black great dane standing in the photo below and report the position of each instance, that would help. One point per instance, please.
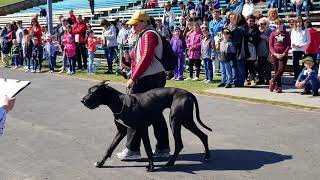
(138, 110)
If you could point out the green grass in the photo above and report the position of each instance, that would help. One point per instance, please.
(7, 2)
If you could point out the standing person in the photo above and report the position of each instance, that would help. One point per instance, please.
(50, 52)
(312, 48)
(72, 17)
(194, 52)
(168, 19)
(248, 8)
(305, 4)
(110, 42)
(299, 41)
(184, 11)
(27, 46)
(92, 43)
(79, 31)
(279, 45)
(91, 3)
(272, 16)
(6, 105)
(15, 53)
(252, 35)
(216, 25)
(178, 44)
(240, 42)
(122, 38)
(19, 37)
(207, 51)
(5, 51)
(200, 9)
(264, 66)
(59, 28)
(147, 73)
(35, 55)
(228, 53)
(70, 49)
(36, 32)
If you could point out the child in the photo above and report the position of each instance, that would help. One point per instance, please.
(279, 45)
(50, 52)
(70, 50)
(308, 78)
(194, 52)
(35, 56)
(178, 45)
(228, 53)
(27, 52)
(125, 70)
(5, 51)
(207, 47)
(92, 43)
(15, 53)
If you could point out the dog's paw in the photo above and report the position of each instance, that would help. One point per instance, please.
(150, 168)
(98, 164)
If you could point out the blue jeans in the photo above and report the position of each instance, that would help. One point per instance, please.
(306, 6)
(313, 84)
(27, 62)
(15, 59)
(35, 63)
(72, 64)
(280, 3)
(109, 57)
(208, 68)
(51, 62)
(238, 72)
(91, 59)
(226, 72)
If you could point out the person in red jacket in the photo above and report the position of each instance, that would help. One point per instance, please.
(79, 31)
(279, 45)
(147, 73)
(72, 17)
(36, 32)
(312, 48)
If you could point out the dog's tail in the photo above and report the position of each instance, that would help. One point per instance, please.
(198, 113)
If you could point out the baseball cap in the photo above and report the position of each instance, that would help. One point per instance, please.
(226, 31)
(307, 59)
(139, 15)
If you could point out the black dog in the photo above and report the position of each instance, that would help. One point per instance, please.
(138, 110)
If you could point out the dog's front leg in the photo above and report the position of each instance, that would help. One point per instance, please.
(147, 147)
(120, 135)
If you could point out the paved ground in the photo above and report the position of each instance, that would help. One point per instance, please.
(50, 135)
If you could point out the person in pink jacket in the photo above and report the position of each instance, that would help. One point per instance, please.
(70, 49)
(194, 51)
(92, 43)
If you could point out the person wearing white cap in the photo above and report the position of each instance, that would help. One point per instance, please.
(147, 73)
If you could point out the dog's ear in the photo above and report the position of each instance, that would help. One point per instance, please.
(105, 82)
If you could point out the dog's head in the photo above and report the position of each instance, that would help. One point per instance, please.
(96, 95)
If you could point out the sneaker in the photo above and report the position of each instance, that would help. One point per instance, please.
(279, 90)
(33, 71)
(69, 72)
(27, 70)
(208, 81)
(161, 153)
(315, 93)
(195, 79)
(172, 79)
(222, 85)
(271, 85)
(205, 80)
(305, 92)
(228, 86)
(253, 83)
(179, 79)
(127, 154)
(188, 79)
(38, 71)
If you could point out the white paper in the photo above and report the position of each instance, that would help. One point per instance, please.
(76, 38)
(10, 87)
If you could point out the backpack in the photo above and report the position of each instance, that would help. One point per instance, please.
(169, 60)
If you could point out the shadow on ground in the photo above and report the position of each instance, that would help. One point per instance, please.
(222, 159)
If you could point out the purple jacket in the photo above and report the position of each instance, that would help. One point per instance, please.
(194, 43)
(178, 45)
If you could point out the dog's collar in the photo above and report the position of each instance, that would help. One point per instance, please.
(121, 108)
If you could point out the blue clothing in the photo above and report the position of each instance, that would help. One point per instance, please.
(311, 78)
(50, 49)
(208, 69)
(216, 26)
(226, 72)
(237, 8)
(3, 114)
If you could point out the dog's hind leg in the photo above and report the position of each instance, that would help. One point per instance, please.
(122, 131)
(191, 126)
(176, 130)
(147, 147)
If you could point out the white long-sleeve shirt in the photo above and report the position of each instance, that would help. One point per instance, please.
(248, 9)
(3, 114)
(299, 37)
